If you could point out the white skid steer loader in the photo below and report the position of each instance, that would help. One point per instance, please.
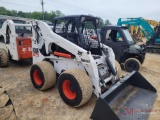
(82, 65)
(15, 40)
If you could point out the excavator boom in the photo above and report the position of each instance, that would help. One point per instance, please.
(153, 36)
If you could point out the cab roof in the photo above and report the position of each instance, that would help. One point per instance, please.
(75, 16)
(114, 26)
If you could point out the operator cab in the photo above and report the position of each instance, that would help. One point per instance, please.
(20, 30)
(120, 40)
(80, 30)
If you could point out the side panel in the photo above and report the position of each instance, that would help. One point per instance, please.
(24, 48)
(62, 64)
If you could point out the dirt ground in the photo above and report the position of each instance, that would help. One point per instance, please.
(31, 104)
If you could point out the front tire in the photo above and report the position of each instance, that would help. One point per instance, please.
(75, 87)
(132, 64)
(43, 75)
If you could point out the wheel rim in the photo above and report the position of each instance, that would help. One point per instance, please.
(132, 66)
(68, 91)
(36, 76)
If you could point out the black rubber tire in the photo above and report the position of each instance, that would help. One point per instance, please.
(7, 111)
(47, 75)
(81, 85)
(118, 68)
(132, 64)
(4, 59)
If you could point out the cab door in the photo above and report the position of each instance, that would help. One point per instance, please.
(114, 39)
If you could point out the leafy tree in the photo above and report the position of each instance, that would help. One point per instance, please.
(58, 13)
(21, 14)
(33, 15)
(38, 15)
(107, 22)
(13, 13)
(101, 23)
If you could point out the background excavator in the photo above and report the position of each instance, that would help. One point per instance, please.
(136, 32)
(152, 35)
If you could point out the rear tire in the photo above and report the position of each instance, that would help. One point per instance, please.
(43, 75)
(4, 60)
(75, 87)
(132, 64)
(118, 68)
(6, 108)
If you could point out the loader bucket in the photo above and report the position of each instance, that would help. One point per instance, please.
(131, 98)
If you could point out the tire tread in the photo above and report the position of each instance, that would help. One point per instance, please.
(4, 59)
(48, 73)
(134, 60)
(84, 83)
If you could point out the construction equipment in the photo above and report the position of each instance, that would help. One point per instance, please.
(15, 39)
(136, 30)
(7, 111)
(127, 53)
(136, 33)
(154, 24)
(82, 65)
(153, 37)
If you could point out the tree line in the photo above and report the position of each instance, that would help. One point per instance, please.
(38, 15)
(33, 15)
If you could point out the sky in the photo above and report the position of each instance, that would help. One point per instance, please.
(106, 9)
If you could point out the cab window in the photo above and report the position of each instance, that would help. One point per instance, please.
(114, 35)
(65, 26)
(1, 23)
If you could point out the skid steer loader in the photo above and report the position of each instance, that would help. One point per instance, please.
(82, 65)
(15, 39)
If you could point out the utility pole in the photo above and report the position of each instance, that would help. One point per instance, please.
(42, 3)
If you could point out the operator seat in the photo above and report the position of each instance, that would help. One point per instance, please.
(113, 35)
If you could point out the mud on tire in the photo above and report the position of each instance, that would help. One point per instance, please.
(75, 87)
(43, 75)
(4, 59)
(6, 107)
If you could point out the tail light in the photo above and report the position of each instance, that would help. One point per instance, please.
(21, 42)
